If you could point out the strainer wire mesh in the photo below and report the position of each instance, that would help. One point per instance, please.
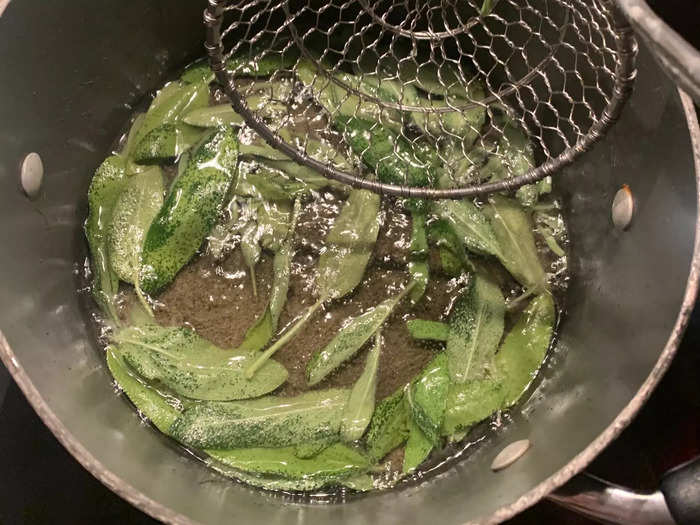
(482, 103)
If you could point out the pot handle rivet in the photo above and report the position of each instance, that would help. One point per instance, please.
(623, 208)
(510, 454)
(31, 174)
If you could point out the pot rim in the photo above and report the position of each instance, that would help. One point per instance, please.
(559, 478)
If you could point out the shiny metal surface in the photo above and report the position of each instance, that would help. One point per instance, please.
(561, 70)
(677, 56)
(627, 307)
(607, 503)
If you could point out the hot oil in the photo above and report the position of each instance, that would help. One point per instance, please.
(214, 296)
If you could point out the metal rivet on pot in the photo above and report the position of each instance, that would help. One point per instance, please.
(623, 208)
(31, 174)
(510, 454)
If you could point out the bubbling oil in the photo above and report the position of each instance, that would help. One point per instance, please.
(213, 295)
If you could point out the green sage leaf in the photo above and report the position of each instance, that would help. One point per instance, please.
(525, 347)
(160, 409)
(476, 328)
(105, 188)
(471, 402)
(166, 142)
(333, 463)
(516, 243)
(430, 330)
(388, 428)
(418, 448)
(360, 406)
(134, 211)
(190, 209)
(266, 422)
(428, 395)
(193, 367)
(354, 334)
(470, 225)
(349, 245)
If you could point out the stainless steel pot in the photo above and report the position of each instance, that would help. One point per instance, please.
(71, 70)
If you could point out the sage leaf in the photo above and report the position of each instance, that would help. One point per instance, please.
(394, 159)
(465, 124)
(341, 266)
(273, 223)
(349, 245)
(360, 406)
(470, 225)
(340, 102)
(418, 264)
(453, 257)
(272, 483)
(418, 448)
(257, 336)
(311, 448)
(166, 142)
(471, 402)
(430, 330)
(388, 428)
(525, 347)
(260, 181)
(224, 115)
(134, 211)
(359, 482)
(302, 173)
(160, 409)
(427, 397)
(170, 103)
(281, 265)
(103, 194)
(266, 422)
(251, 250)
(516, 243)
(265, 327)
(193, 367)
(333, 463)
(190, 209)
(476, 327)
(354, 334)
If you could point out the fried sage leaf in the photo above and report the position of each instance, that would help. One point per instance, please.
(427, 397)
(355, 333)
(516, 243)
(166, 142)
(388, 428)
(192, 366)
(360, 406)
(470, 225)
(134, 211)
(105, 188)
(190, 209)
(266, 422)
(170, 103)
(476, 328)
(335, 462)
(418, 447)
(430, 330)
(160, 409)
(471, 402)
(349, 245)
(525, 346)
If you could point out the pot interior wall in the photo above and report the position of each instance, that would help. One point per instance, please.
(71, 73)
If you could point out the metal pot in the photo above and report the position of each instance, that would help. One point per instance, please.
(71, 71)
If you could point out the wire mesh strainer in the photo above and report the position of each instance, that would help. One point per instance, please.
(466, 99)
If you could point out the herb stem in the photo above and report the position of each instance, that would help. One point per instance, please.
(250, 371)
